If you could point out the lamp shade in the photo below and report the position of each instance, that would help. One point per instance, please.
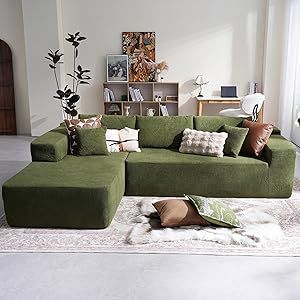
(199, 80)
(114, 108)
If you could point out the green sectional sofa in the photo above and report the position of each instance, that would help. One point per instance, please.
(65, 191)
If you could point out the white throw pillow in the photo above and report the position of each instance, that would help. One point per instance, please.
(129, 139)
(204, 143)
(126, 139)
(112, 140)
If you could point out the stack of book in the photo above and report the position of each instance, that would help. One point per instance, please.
(109, 95)
(253, 87)
(135, 94)
(164, 110)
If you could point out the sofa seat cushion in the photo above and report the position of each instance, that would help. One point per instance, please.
(166, 172)
(76, 192)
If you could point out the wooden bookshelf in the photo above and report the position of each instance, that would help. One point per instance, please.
(169, 92)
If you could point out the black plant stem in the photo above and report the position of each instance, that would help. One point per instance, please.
(61, 103)
(74, 69)
(54, 70)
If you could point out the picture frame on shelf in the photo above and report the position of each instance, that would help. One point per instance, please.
(117, 68)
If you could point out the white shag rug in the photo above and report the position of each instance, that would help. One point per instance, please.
(272, 229)
(258, 228)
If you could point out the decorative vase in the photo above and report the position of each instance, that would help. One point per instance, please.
(127, 108)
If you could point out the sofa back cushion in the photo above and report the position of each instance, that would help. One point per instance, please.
(214, 123)
(162, 132)
(114, 122)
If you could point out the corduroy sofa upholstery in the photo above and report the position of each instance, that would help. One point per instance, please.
(65, 191)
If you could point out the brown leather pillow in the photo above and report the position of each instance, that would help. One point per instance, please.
(256, 139)
(176, 212)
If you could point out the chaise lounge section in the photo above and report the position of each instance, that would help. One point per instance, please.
(71, 193)
(65, 191)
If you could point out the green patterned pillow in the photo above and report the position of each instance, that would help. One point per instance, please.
(214, 211)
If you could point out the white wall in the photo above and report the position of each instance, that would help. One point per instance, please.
(41, 27)
(224, 40)
(11, 31)
(274, 46)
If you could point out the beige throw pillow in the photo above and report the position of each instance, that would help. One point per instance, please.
(129, 139)
(203, 143)
(112, 140)
(126, 139)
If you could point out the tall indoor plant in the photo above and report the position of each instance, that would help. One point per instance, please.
(69, 96)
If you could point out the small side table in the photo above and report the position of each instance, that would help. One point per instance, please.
(222, 100)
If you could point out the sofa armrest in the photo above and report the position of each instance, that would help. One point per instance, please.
(280, 155)
(51, 146)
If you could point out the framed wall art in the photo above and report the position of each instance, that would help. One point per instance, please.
(117, 68)
(140, 48)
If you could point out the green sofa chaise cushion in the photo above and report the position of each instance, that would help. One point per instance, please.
(76, 192)
(166, 172)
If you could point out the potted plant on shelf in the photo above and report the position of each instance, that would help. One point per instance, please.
(69, 96)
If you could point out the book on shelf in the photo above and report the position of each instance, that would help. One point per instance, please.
(106, 95)
(109, 95)
(131, 92)
(135, 94)
(253, 87)
(140, 95)
(112, 96)
(164, 110)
